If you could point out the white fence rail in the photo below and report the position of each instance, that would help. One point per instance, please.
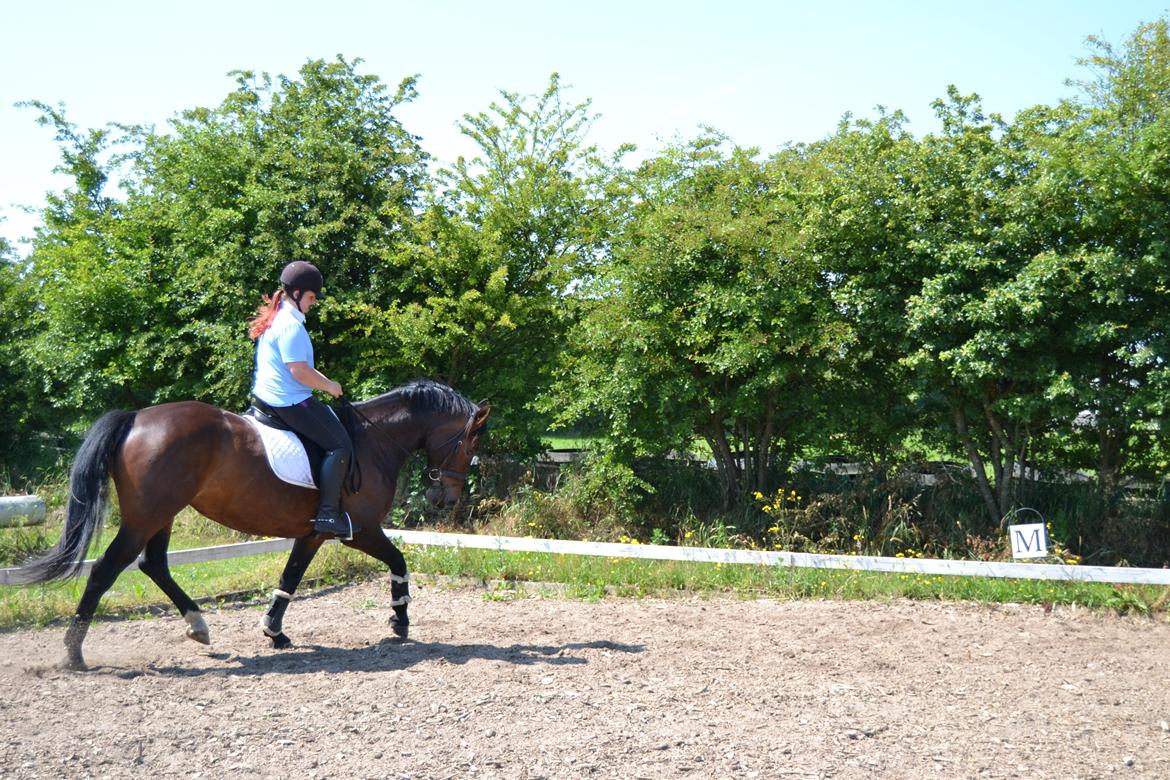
(1031, 571)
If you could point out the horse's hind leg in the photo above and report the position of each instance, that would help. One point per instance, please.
(121, 552)
(303, 551)
(154, 565)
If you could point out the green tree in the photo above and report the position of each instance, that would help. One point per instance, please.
(923, 241)
(857, 211)
(316, 168)
(1106, 177)
(989, 368)
(146, 299)
(707, 320)
(83, 283)
(1084, 312)
(18, 389)
(485, 298)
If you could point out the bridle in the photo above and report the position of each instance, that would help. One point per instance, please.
(434, 473)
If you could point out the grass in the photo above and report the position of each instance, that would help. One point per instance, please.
(556, 442)
(210, 583)
(589, 577)
(596, 577)
(135, 594)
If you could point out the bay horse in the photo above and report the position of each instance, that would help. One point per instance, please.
(166, 457)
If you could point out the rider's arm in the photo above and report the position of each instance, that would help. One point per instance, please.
(311, 377)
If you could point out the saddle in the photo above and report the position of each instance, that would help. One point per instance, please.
(293, 464)
(298, 467)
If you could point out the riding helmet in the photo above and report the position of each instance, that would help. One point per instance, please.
(299, 275)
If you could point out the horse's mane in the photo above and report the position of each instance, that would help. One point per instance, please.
(423, 396)
(417, 397)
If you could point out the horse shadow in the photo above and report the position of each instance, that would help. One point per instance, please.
(388, 655)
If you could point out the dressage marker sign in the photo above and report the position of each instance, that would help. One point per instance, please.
(1032, 571)
(1029, 540)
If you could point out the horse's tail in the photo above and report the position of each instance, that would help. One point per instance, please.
(89, 487)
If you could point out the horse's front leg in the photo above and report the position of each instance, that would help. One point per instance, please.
(399, 600)
(373, 542)
(272, 624)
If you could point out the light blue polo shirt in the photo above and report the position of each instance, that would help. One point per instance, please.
(286, 341)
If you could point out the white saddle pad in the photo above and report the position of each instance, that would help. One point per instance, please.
(286, 454)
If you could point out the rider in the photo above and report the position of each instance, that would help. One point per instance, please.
(286, 378)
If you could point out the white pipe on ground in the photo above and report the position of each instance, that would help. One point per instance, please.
(21, 510)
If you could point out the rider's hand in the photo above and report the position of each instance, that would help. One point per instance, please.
(334, 389)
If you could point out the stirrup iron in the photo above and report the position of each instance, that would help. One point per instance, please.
(341, 526)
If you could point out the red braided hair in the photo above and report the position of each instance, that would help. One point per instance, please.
(265, 314)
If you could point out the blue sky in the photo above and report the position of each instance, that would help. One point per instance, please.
(765, 73)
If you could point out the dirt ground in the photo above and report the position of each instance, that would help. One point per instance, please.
(554, 688)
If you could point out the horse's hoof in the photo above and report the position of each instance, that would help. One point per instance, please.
(74, 664)
(197, 629)
(281, 641)
(400, 628)
(202, 637)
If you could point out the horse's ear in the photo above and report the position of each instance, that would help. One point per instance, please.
(481, 418)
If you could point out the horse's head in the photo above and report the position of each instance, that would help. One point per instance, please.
(450, 448)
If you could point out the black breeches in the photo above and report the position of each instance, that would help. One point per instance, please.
(317, 423)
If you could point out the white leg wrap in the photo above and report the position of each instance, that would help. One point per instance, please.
(278, 593)
(400, 601)
(395, 578)
(197, 627)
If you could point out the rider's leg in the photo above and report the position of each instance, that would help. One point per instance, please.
(333, 468)
(319, 424)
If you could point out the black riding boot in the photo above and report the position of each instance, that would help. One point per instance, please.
(330, 519)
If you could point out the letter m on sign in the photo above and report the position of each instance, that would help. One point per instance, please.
(1028, 541)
